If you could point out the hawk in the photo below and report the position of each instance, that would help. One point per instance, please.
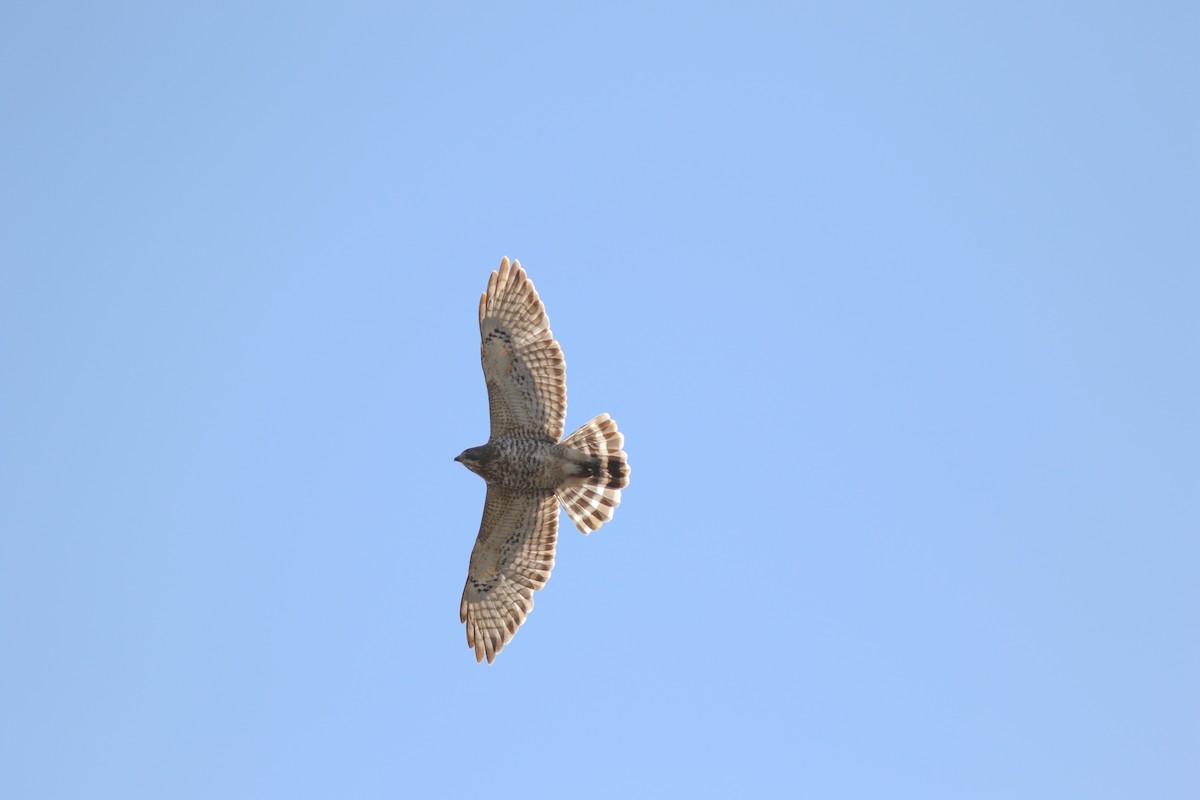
(527, 469)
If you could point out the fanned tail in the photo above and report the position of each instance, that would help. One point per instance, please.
(592, 504)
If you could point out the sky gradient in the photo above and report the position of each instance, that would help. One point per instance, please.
(898, 310)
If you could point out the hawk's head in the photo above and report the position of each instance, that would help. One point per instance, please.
(476, 458)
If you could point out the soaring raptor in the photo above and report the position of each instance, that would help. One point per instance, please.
(527, 469)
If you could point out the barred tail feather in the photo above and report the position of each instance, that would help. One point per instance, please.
(591, 505)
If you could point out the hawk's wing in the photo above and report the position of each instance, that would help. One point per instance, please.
(512, 559)
(522, 364)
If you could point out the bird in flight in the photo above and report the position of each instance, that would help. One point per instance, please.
(527, 469)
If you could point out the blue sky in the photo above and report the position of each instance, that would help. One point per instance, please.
(896, 307)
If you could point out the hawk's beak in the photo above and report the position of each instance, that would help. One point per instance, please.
(458, 459)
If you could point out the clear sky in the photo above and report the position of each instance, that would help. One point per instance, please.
(898, 309)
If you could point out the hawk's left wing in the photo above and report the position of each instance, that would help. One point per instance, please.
(512, 559)
(522, 364)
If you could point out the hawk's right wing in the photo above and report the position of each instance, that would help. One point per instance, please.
(512, 559)
(522, 364)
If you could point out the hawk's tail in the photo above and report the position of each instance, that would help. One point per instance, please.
(592, 504)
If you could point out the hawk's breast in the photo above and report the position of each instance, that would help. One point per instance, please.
(526, 465)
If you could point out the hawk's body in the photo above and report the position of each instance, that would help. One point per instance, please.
(528, 471)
